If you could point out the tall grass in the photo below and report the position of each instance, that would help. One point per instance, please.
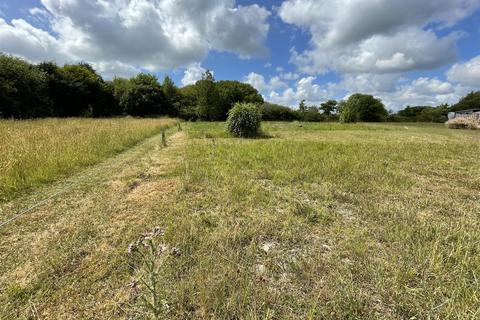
(37, 151)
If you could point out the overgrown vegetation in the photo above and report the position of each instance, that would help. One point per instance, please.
(324, 221)
(362, 108)
(244, 120)
(38, 151)
(48, 90)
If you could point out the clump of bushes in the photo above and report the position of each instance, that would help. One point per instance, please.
(244, 120)
(463, 123)
(363, 108)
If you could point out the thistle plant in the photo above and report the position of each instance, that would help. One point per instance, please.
(148, 255)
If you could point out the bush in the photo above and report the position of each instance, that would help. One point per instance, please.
(463, 123)
(244, 120)
(275, 112)
(364, 108)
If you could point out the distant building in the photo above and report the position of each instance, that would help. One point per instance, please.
(470, 113)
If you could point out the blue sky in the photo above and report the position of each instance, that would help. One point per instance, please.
(406, 52)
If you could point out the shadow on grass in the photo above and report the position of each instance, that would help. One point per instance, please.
(226, 135)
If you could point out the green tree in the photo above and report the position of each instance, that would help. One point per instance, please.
(208, 99)
(329, 107)
(275, 112)
(312, 114)
(23, 89)
(144, 96)
(362, 107)
(172, 96)
(187, 105)
(121, 87)
(302, 108)
(232, 92)
(79, 91)
(470, 101)
(411, 113)
(438, 114)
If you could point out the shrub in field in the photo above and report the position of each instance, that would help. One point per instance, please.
(463, 123)
(244, 120)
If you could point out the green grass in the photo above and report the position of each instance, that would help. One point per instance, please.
(320, 221)
(38, 151)
(364, 221)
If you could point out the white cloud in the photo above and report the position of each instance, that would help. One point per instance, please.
(395, 91)
(21, 38)
(192, 74)
(154, 35)
(305, 89)
(423, 92)
(37, 12)
(276, 83)
(114, 69)
(258, 82)
(467, 73)
(375, 36)
(289, 76)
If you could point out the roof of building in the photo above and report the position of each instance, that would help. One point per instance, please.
(468, 111)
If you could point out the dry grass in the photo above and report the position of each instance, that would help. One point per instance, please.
(38, 151)
(322, 221)
(67, 259)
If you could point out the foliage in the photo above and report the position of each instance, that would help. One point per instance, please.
(329, 107)
(72, 90)
(302, 108)
(470, 101)
(312, 114)
(275, 112)
(172, 97)
(144, 96)
(148, 256)
(22, 89)
(232, 92)
(244, 120)
(208, 99)
(364, 108)
(422, 114)
(187, 106)
(410, 114)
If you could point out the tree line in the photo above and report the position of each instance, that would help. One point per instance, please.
(366, 108)
(77, 90)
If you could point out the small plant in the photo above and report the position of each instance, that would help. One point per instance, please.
(148, 255)
(244, 120)
(463, 123)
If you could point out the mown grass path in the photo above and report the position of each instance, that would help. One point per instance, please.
(66, 259)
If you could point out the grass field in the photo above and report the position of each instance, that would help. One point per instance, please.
(38, 151)
(319, 221)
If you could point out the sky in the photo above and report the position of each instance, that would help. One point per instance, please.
(409, 52)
